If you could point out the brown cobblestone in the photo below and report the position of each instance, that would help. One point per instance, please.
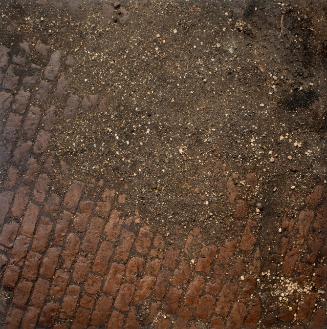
(214, 287)
(113, 227)
(116, 320)
(81, 221)
(73, 196)
(5, 100)
(20, 201)
(227, 250)
(92, 237)
(103, 208)
(40, 292)
(170, 260)
(12, 177)
(205, 307)
(248, 239)
(304, 222)
(226, 298)
(81, 269)
(114, 279)
(131, 321)
(10, 80)
(144, 289)
(30, 318)
(124, 297)
(41, 188)
(10, 276)
(43, 91)
(93, 284)
(153, 267)
(86, 206)
(32, 169)
(72, 105)
(217, 323)
(49, 263)
(13, 318)
(59, 284)
(5, 200)
(52, 69)
(194, 290)
(290, 260)
(70, 251)
(21, 101)
(125, 245)
(172, 299)
(31, 122)
(19, 250)
(42, 234)
(253, 315)
(101, 311)
(161, 285)
(22, 292)
(319, 320)
(315, 197)
(102, 258)
(182, 274)
(8, 234)
(87, 301)
(41, 142)
(70, 301)
(237, 316)
(29, 220)
(207, 256)
(49, 314)
(62, 228)
(158, 247)
(31, 266)
(61, 90)
(50, 118)
(134, 268)
(12, 126)
(81, 318)
(143, 241)
(305, 308)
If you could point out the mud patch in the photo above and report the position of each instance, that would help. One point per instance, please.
(300, 99)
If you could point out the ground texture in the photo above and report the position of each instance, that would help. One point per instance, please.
(163, 164)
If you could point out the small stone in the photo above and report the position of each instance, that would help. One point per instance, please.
(259, 205)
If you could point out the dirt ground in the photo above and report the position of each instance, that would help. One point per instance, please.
(184, 107)
(194, 91)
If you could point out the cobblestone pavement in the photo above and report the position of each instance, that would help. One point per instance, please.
(80, 260)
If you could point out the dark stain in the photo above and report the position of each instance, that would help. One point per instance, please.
(299, 99)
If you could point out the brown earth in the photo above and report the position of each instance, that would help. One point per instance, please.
(163, 164)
